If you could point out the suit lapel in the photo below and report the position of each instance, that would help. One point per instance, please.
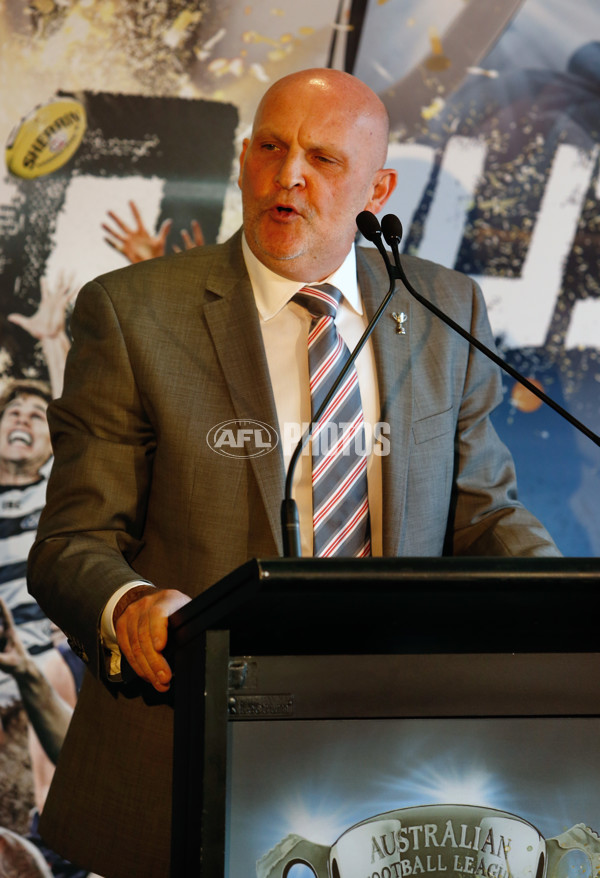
(392, 355)
(233, 323)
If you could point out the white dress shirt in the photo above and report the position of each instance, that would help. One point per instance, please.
(285, 327)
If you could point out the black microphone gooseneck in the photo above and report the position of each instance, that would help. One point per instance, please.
(392, 231)
(368, 225)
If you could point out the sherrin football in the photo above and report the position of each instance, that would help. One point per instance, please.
(46, 138)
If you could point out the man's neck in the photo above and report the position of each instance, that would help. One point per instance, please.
(272, 291)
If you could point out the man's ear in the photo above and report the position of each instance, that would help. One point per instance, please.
(242, 156)
(384, 183)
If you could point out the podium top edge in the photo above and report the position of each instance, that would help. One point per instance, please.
(327, 578)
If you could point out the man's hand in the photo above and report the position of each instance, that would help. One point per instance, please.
(142, 634)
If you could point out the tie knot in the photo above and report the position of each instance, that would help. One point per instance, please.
(319, 299)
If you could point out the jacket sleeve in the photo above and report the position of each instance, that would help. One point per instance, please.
(92, 525)
(488, 518)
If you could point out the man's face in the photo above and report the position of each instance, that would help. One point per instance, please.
(310, 166)
(24, 434)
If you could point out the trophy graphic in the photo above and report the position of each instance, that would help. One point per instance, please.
(445, 841)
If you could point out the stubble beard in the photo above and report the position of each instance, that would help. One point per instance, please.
(271, 255)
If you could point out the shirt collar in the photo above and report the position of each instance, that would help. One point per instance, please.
(272, 292)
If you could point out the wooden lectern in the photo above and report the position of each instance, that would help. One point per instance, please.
(316, 638)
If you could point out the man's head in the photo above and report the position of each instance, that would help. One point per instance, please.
(313, 162)
(24, 436)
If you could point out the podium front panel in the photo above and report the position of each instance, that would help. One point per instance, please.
(317, 744)
(312, 696)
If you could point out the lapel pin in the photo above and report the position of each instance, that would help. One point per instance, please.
(400, 319)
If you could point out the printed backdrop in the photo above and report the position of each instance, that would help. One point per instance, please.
(495, 134)
(495, 108)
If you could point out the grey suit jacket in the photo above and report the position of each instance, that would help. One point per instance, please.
(163, 351)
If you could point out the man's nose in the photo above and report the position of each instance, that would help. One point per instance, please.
(291, 171)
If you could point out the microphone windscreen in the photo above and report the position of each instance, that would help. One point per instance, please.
(391, 228)
(368, 225)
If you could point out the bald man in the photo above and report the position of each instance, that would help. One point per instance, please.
(143, 514)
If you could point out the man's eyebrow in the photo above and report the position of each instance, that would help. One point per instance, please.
(263, 132)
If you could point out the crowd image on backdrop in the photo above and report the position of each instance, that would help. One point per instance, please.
(40, 675)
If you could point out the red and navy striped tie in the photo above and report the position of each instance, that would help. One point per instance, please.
(339, 459)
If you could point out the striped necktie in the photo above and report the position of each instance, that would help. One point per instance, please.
(339, 459)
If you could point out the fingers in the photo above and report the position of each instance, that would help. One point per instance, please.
(7, 616)
(62, 292)
(142, 635)
(198, 233)
(119, 247)
(66, 289)
(12, 651)
(187, 241)
(137, 217)
(163, 232)
(44, 290)
(137, 633)
(114, 236)
(196, 239)
(119, 222)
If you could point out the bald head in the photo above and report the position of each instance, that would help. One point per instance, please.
(313, 162)
(354, 102)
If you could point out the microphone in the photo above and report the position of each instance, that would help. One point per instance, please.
(392, 231)
(368, 225)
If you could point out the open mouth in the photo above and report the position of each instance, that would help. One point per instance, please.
(19, 436)
(284, 210)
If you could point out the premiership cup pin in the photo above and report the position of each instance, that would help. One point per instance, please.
(400, 318)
